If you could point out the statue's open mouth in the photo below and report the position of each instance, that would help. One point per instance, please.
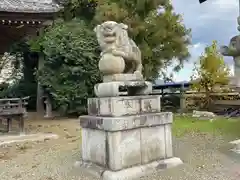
(109, 32)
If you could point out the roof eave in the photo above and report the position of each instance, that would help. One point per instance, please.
(51, 11)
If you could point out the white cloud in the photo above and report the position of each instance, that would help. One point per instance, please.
(184, 74)
(212, 20)
(225, 4)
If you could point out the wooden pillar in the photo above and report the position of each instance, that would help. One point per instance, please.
(40, 92)
(21, 124)
(9, 124)
(40, 106)
(182, 99)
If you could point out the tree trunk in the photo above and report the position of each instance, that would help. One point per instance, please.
(40, 105)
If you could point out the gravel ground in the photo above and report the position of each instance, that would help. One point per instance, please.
(203, 155)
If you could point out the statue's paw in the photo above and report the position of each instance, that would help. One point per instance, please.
(116, 52)
(138, 74)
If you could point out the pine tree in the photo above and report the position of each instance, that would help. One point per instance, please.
(153, 25)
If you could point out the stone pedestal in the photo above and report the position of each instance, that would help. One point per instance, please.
(118, 88)
(126, 137)
(123, 84)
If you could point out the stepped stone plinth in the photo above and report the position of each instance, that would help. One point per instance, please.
(126, 137)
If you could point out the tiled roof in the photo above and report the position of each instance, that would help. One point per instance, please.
(29, 6)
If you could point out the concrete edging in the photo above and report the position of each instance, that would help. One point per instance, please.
(132, 173)
(236, 144)
(24, 138)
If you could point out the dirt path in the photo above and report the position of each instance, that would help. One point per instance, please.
(46, 160)
(54, 159)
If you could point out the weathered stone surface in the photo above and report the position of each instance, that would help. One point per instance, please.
(132, 173)
(94, 146)
(122, 106)
(121, 149)
(122, 77)
(126, 122)
(124, 149)
(152, 144)
(110, 64)
(117, 88)
(90, 168)
(168, 140)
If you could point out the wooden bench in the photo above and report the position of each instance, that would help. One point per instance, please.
(13, 109)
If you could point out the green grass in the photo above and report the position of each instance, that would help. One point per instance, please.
(227, 127)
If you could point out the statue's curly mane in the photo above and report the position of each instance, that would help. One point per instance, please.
(122, 39)
(118, 43)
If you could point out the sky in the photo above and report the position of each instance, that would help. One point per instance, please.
(212, 20)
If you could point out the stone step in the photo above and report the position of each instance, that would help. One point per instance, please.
(132, 173)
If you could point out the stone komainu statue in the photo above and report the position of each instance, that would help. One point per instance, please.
(233, 49)
(113, 38)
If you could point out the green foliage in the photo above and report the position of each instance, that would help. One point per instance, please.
(27, 84)
(159, 33)
(85, 9)
(35, 44)
(72, 54)
(21, 89)
(70, 68)
(184, 125)
(210, 73)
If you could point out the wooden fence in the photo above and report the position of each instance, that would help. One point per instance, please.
(12, 109)
(187, 101)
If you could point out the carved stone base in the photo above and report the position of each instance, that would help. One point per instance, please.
(118, 88)
(123, 77)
